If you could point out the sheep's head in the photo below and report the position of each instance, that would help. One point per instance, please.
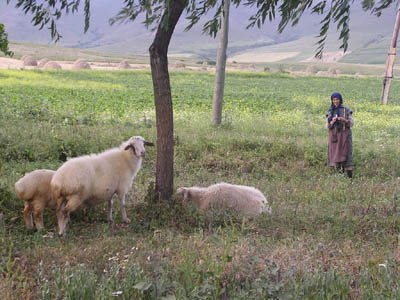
(137, 144)
(185, 192)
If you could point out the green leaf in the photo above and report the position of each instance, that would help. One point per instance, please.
(4, 41)
(142, 286)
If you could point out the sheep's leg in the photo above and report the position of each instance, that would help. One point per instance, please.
(110, 208)
(28, 215)
(122, 206)
(38, 209)
(202, 205)
(62, 218)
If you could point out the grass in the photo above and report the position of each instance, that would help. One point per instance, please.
(326, 238)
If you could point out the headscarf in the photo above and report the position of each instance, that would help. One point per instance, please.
(332, 108)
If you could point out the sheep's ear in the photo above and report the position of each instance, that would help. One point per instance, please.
(148, 143)
(131, 146)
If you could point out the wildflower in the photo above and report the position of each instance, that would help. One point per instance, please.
(117, 293)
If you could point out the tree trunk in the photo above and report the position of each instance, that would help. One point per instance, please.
(220, 68)
(163, 100)
(387, 80)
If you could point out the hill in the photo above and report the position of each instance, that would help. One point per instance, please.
(369, 39)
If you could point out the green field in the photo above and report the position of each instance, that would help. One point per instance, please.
(327, 238)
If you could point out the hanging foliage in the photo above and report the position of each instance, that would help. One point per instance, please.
(47, 12)
(4, 41)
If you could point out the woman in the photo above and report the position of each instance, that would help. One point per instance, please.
(340, 147)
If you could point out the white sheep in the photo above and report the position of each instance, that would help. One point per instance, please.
(34, 190)
(242, 198)
(95, 178)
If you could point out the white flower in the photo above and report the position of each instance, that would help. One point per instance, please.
(117, 293)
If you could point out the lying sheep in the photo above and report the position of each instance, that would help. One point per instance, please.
(95, 178)
(242, 198)
(34, 190)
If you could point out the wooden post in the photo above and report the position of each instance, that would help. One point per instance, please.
(387, 80)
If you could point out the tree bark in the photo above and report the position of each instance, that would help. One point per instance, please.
(221, 65)
(163, 100)
(387, 80)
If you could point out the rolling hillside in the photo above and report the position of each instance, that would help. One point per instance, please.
(369, 39)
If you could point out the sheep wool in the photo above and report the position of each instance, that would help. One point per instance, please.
(95, 178)
(34, 190)
(248, 200)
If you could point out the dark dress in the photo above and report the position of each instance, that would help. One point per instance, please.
(340, 146)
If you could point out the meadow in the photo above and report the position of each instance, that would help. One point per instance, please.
(327, 237)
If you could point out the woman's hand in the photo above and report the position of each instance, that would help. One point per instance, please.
(334, 120)
(343, 119)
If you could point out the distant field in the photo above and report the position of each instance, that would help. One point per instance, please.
(267, 59)
(326, 238)
(262, 57)
(55, 52)
(361, 50)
